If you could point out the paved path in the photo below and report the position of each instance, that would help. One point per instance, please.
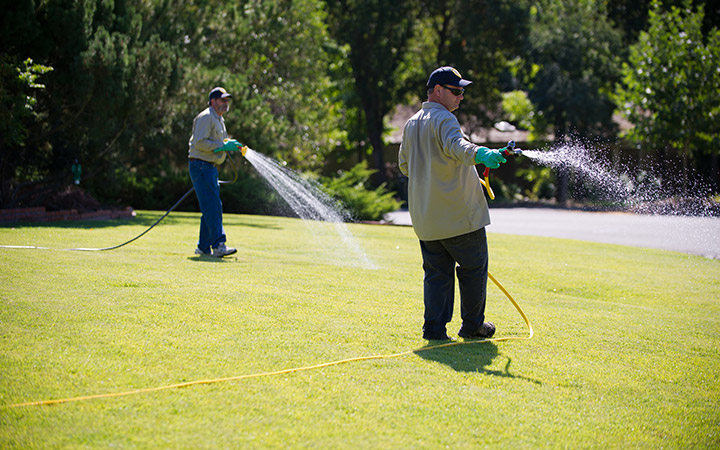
(693, 235)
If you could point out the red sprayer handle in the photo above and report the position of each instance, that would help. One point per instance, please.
(508, 150)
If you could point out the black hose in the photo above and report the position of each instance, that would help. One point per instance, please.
(141, 234)
(164, 215)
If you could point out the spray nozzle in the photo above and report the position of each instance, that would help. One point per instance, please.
(509, 149)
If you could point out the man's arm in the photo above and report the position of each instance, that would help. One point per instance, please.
(454, 144)
(402, 161)
(402, 153)
(203, 134)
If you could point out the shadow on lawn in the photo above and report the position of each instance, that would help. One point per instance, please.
(470, 358)
(212, 259)
(142, 219)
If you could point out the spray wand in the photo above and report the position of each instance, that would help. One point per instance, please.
(508, 150)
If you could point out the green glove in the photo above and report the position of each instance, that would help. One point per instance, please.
(229, 146)
(489, 158)
(232, 145)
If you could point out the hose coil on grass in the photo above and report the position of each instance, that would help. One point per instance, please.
(296, 369)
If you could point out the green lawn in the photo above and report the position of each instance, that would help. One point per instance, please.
(626, 352)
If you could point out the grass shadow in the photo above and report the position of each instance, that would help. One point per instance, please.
(242, 223)
(142, 219)
(212, 259)
(83, 224)
(472, 357)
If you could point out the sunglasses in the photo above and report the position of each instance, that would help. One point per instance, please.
(455, 91)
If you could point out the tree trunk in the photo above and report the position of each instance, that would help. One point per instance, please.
(374, 124)
(563, 173)
(563, 187)
(685, 187)
(378, 160)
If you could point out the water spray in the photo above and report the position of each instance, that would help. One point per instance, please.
(306, 199)
(507, 151)
(310, 203)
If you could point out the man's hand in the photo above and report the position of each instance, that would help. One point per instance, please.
(489, 158)
(231, 145)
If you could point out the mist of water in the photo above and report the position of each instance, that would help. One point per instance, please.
(588, 170)
(594, 176)
(316, 208)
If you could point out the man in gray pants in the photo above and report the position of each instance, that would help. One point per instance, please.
(448, 208)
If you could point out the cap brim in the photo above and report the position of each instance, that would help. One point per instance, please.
(464, 83)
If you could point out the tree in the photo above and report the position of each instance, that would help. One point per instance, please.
(272, 57)
(479, 38)
(101, 103)
(574, 47)
(131, 74)
(19, 84)
(669, 88)
(377, 35)
(631, 16)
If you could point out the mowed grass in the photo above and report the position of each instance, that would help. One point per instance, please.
(626, 352)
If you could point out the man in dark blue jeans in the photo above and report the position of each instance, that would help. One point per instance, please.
(440, 257)
(448, 208)
(209, 137)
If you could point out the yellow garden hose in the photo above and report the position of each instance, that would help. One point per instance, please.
(489, 190)
(295, 369)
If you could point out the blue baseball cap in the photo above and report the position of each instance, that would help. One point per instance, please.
(218, 92)
(446, 75)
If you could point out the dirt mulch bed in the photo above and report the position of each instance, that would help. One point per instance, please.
(70, 204)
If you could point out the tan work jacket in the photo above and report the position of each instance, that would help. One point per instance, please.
(445, 196)
(208, 133)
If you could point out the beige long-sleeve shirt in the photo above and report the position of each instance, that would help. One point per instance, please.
(208, 133)
(445, 195)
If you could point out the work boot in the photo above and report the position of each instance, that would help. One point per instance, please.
(485, 331)
(222, 250)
